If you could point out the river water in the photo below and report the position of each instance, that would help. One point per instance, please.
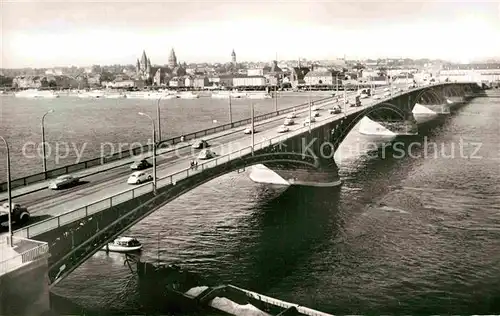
(406, 235)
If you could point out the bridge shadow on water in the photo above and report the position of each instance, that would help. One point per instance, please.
(286, 229)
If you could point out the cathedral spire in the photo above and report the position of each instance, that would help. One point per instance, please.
(172, 59)
(233, 57)
(144, 59)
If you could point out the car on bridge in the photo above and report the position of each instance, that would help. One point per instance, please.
(288, 121)
(335, 110)
(199, 144)
(315, 114)
(19, 215)
(377, 97)
(283, 129)
(249, 130)
(140, 165)
(206, 154)
(139, 177)
(292, 115)
(308, 121)
(63, 181)
(314, 108)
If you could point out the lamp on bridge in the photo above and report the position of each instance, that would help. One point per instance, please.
(158, 115)
(9, 197)
(43, 144)
(154, 150)
(252, 110)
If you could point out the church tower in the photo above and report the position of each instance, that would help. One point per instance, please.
(144, 60)
(172, 59)
(233, 57)
(138, 66)
(148, 69)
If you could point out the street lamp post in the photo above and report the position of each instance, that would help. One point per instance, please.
(337, 84)
(154, 150)
(9, 196)
(230, 111)
(158, 115)
(276, 96)
(310, 105)
(253, 127)
(43, 143)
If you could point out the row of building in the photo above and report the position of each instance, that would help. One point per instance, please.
(296, 77)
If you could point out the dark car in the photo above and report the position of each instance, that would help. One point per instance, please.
(20, 215)
(139, 165)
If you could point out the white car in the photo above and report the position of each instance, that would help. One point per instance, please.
(288, 121)
(314, 108)
(315, 113)
(307, 121)
(139, 177)
(387, 93)
(206, 154)
(291, 115)
(199, 144)
(63, 181)
(376, 97)
(283, 129)
(248, 130)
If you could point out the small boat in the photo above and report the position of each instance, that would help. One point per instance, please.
(259, 96)
(123, 244)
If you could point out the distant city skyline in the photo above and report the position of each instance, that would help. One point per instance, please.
(43, 34)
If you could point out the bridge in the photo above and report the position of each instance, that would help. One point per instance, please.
(85, 218)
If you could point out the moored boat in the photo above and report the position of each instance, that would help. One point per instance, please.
(115, 95)
(94, 94)
(35, 94)
(259, 96)
(123, 244)
(221, 95)
(187, 95)
(237, 94)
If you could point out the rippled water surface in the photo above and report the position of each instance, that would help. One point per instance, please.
(414, 235)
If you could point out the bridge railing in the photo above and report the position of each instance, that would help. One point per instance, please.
(42, 176)
(103, 204)
(34, 250)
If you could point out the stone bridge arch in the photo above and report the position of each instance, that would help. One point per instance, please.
(429, 96)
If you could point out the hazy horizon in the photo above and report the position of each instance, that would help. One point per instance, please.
(44, 34)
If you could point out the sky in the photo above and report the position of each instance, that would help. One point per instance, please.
(81, 33)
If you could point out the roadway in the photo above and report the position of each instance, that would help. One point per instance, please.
(111, 182)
